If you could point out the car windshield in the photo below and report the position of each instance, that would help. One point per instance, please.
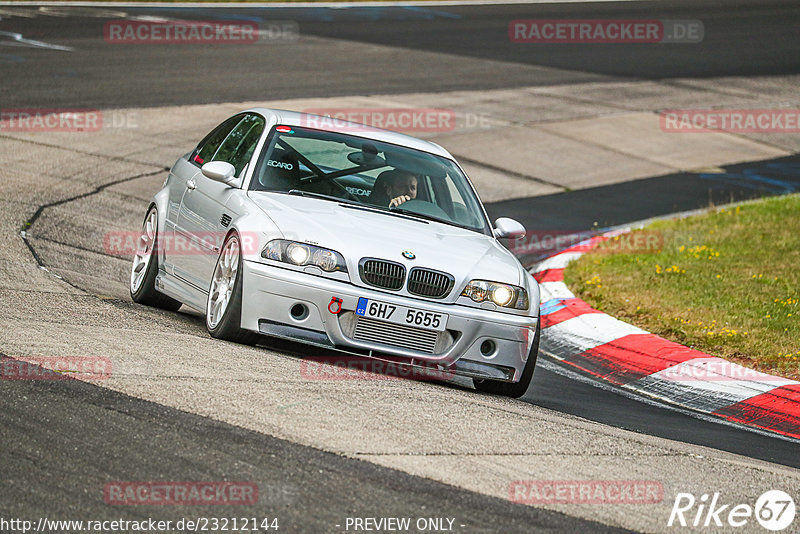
(341, 167)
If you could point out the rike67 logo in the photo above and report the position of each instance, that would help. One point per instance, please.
(774, 510)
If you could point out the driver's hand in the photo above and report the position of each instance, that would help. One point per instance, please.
(398, 200)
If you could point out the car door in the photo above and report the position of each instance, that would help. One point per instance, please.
(203, 219)
(185, 169)
(187, 172)
(179, 175)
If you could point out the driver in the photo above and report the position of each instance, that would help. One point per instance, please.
(401, 186)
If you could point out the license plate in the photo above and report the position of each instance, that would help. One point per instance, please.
(401, 315)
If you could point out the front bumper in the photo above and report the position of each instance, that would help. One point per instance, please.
(292, 304)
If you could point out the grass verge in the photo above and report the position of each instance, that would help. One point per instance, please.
(726, 283)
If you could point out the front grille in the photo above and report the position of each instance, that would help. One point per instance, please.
(382, 273)
(428, 283)
(395, 335)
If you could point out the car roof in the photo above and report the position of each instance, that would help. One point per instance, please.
(309, 120)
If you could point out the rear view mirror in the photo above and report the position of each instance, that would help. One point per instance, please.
(219, 171)
(505, 227)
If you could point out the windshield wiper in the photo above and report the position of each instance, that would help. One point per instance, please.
(302, 193)
(432, 218)
(423, 216)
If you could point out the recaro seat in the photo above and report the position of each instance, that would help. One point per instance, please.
(281, 177)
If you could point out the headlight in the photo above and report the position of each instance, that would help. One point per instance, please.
(304, 254)
(297, 253)
(504, 295)
(325, 259)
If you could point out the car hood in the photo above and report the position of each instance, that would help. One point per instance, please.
(357, 233)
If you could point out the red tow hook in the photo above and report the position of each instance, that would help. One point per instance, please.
(335, 306)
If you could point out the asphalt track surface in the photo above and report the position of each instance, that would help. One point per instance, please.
(309, 490)
(741, 38)
(749, 38)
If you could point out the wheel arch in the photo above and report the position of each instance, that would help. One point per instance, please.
(160, 201)
(255, 228)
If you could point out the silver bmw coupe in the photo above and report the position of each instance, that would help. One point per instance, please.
(343, 236)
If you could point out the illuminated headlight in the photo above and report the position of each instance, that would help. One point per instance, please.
(298, 254)
(504, 295)
(304, 254)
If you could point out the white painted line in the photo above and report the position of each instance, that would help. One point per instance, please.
(718, 370)
(18, 40)
(591, 330)
(559, 261)
(703, 396)
(663, 403)
(554, 290)
(708, 384)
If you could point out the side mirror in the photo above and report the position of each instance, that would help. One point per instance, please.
(219, 171)
(505, 227)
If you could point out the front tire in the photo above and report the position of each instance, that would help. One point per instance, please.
(145, 267)
(224, 304)
(514, 389)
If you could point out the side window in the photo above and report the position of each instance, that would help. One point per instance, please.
(208, 147)
(238, 147)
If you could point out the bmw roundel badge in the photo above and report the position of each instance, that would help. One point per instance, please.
(407, 254)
